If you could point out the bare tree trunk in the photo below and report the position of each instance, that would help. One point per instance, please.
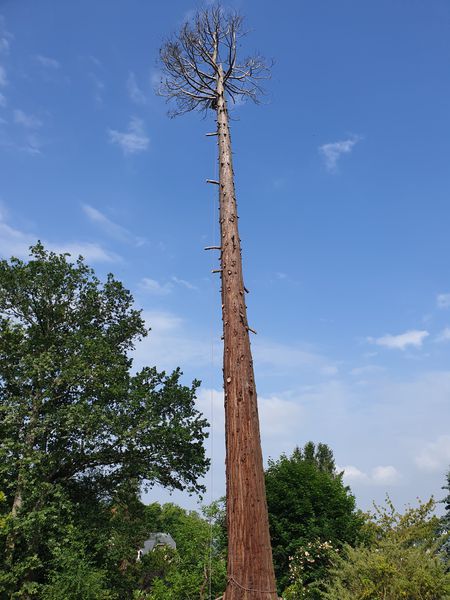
(250, 568)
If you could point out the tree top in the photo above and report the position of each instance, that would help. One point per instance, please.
(204, 50)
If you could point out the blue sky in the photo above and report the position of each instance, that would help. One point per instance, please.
(343, 183)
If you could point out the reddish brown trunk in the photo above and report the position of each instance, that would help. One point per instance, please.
(250, 568)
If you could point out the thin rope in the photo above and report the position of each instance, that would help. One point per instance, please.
(247, 589)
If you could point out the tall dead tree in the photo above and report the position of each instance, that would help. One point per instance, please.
(201, 71)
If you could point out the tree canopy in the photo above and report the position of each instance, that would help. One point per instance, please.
(400, 559)
(76, 424)
(307, 501)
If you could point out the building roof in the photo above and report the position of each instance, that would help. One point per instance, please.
(158, 539)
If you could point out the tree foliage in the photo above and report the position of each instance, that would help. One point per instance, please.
(398, 560)
(198, 565)
(445, 521)
(76, 425)
(307, 502)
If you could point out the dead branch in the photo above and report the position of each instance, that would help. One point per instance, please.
(205, 49)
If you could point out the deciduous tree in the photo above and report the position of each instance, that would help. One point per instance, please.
(308, 503)
(398, 560)
(73, 416)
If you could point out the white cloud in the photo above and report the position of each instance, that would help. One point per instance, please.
(381, 475)
(88, 250)
(111, 228)
(414, 338)
(366, 370)
(187, 284)
(134, 91)
(352, 473)
(98, 88)
(5, 37)
(2, 100)
(3, 78)
(444, 335)
(435, 456)
(47, 62)
(443, 300)
(383, 422)
(278, 416)
(155, 79)
(163, 289)
(134, 140)
(173, 342)
(279, 358)
(14, 242)
(26, 120)
(155, 287)
(385, 475)
(30, 124)
(333, 151)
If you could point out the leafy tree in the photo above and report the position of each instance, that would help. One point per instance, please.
(75, 577)
(308, 502)
(76, 425)
(200, 561)
(445, 521)
(399, 559)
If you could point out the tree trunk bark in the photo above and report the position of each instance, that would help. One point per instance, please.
(250, 568)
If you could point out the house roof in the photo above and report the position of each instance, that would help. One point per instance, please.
(158, 539)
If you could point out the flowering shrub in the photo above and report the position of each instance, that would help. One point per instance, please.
(308, 569)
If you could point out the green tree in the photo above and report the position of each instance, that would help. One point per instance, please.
(75, 424)
(200, 562)
(445, 521)
(308, 502)
(398, 560)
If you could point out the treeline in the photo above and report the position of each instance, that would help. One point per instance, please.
(81, 435)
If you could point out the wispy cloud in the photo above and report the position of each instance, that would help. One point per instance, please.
(380, 475)
(3, 101)
(277, 358)
(332, 152)
(111, 228)
(443, 300)
(132, 141)
(30, 124)
(26, 120)
(152, 286)
(443, 336)
(401, 341)
(435, 455)
(99, 88)
(47, 61)
(134, 91)
(3, 77)
(155, 79)
(94, 72)
(367, 370)
(5, 37)
(187, 284)
(14, 242)
(172, 341)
